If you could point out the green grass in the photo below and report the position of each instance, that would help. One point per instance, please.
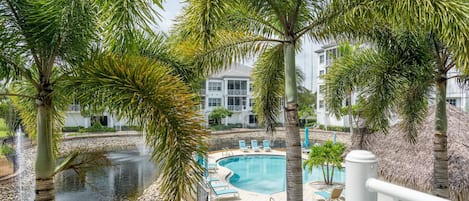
(3, 128)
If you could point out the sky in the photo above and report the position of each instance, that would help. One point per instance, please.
(306, 60)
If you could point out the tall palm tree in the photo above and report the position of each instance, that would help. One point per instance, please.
(44, 43)
(397, 75)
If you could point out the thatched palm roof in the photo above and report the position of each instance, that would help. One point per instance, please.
(412, 165)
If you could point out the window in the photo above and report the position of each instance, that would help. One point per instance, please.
(252, 119)
(321, 72)
(202, 103)
(321, 89)
(214, 102)
(251, 103)
(321, 104)
(331, 55)
(321, 59)
(236, 103)
(237, 87)
(214, 86)
(451, 101)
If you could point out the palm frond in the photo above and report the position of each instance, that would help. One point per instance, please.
(122, 20)
(227, 48)
(145, 92)
(269, 79)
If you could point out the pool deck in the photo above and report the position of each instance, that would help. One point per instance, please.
(222, 173)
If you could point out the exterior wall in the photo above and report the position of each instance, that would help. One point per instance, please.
(324, 117)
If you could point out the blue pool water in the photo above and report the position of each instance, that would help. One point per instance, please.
(266, 174)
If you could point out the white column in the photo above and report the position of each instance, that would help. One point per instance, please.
(360, 165)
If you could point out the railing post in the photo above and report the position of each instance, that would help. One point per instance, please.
(359, 166)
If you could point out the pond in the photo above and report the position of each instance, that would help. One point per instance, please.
(124, 177)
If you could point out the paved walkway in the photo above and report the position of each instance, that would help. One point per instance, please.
(222, 173)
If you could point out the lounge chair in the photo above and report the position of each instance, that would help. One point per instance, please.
(217, 191)
(266, 144)
(254, 145)
(242, 146)
(334, 195)
(212, 167)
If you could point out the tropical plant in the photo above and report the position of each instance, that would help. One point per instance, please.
(397, 75)
(146, 93)
(327, 156)
(44, 43)
(218, 114)
(356, 111)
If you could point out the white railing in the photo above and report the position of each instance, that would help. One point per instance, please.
(361, 184)
(74, 107)
(237, 91)
(399, 193)
(235, 107)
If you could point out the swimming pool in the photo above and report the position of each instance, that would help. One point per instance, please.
(266, 173)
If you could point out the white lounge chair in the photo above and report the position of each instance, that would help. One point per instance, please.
(217, 191)
(242, 146)
(254, 145)
(266, 144)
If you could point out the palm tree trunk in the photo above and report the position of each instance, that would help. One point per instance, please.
(440, 149)
(324, 174)
(293, 141)
(332, 174)
(45, 161)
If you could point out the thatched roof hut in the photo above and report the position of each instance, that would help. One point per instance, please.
(412, 165)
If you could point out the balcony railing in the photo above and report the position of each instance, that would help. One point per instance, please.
(235, 107)
(74, 107)
(237, 91)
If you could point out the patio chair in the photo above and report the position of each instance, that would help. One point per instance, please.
(217, 191)
(334, 195)
(242, 146)
(266, 144)
(212, 167)
(254, 145)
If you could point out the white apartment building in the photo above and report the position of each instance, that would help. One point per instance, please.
(74, 118)
(326, 54)
(231, 89)
(455, 95)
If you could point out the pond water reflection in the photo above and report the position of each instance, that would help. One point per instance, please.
(127, 177)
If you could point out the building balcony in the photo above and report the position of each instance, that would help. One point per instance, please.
(74, 108)
(237, 91)
(235, 107)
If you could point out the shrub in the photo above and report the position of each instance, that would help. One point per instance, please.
(96, 129)
(71, 128)
(6, 150)
(334, 128)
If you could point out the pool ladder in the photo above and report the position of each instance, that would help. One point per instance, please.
(226, 152)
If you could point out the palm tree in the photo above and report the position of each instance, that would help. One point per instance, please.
(145, 92)
(327, 156)
(398, 75)
(44, 43)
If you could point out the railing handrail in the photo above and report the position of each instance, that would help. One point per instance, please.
(399, 192)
